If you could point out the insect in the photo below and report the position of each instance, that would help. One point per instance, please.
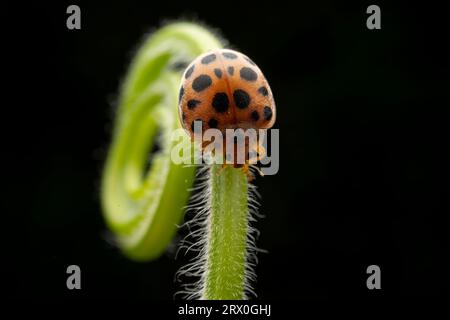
(224, 89)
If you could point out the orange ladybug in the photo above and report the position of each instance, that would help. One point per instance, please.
(224, 89)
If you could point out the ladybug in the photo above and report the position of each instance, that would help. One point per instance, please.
(225, 89)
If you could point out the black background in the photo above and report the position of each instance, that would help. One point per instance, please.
(363, 175)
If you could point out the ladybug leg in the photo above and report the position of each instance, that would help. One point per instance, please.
(259, 171)
(258, 153)
(261, 152)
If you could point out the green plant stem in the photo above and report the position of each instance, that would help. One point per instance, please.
(227, 229)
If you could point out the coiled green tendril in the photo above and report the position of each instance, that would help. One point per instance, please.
(143, 208)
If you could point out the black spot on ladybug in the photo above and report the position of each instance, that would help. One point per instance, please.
(267, 113)
(183, 117)
(179, 65)
(212, 123)
(192, 104)
(189, 71)
(193, 124)
(180, 96)
(241, 98)
(209, 58)
(263, 90)
(229, 55)
(250, 61)
(231, 70)
(254, 115)
(220, 102)
(218, 73)
(201, 82)
(248, 74)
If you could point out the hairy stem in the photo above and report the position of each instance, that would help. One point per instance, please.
(227, 228)
(143, 208)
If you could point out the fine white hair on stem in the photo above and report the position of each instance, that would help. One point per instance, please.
(196, 243)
